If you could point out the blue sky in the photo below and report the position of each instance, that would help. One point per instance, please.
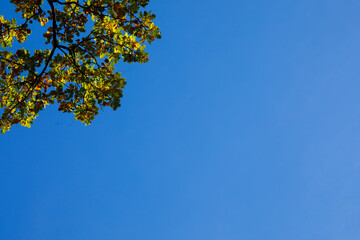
(243, 126)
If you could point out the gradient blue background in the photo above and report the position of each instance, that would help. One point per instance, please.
(245, 125)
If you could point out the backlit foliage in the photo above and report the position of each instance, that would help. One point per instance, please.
(86, 38)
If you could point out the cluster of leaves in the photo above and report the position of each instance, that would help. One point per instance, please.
(86, 38)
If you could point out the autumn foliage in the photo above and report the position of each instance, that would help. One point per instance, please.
(85, 40)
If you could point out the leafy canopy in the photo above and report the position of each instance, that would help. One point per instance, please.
(86, 38)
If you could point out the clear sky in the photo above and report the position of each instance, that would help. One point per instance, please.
(245, 125)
